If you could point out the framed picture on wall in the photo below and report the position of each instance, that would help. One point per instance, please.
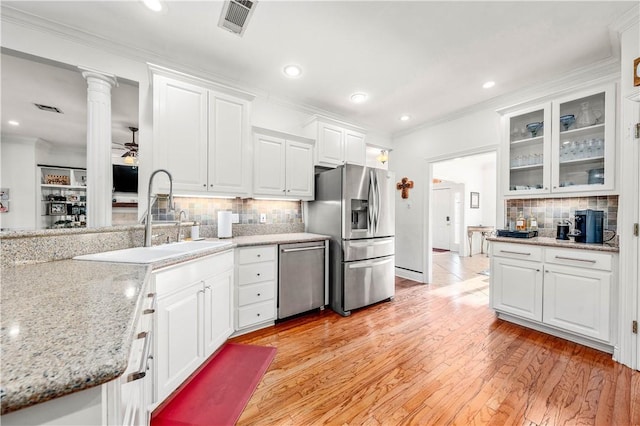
(475, 200)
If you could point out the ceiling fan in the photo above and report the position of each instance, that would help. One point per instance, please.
(131, 148)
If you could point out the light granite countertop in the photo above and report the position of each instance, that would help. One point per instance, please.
(552, 242)
(68, 325)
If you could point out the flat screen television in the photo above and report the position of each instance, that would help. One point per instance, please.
(125, 178)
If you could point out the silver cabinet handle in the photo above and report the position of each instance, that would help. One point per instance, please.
(142, 370)
(515, 252)
(302, 249)
(574, 259)
(369, 264)
(152, 307)
(371, 244)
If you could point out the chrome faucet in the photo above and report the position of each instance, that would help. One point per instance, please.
(182, 212)
(147, 228)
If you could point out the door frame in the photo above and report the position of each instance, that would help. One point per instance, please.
(427, 259)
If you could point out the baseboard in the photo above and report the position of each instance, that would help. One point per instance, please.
(409, 274)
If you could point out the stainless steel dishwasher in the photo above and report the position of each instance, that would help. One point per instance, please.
(301, 278)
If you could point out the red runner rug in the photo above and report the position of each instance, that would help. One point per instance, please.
(218, 394)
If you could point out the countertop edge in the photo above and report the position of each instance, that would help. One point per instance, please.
(551, 242)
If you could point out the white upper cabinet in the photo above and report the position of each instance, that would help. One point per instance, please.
(283, 165)
(202, 135)
(563, 146)
(336, 143)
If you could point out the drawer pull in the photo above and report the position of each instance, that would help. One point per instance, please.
(142, 370)
(576, 260)
(258, 314)
(258, 294)
(152, 306)
(259, 255)
(515, 252)
(258, 274)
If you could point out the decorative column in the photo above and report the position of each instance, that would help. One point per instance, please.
(99, 172)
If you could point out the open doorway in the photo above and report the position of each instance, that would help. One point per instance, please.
(462, 195)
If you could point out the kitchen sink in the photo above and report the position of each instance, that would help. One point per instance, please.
(154, 253)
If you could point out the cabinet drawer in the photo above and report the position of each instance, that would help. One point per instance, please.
(256, 254)
(257, 272)
(257, 313)
(177, 276)
(581, 258)
(517, 251)
(256, 293)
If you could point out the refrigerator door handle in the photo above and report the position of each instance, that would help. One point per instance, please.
(369, 263)
(371, 207)
(377, 202)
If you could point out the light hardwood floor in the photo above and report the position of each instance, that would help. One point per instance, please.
(435, 355)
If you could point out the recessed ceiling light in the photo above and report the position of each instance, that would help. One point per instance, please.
(14, 122)
(405, 117)
(154, 5)
(488, 84)
(358, 98)
(292, 71)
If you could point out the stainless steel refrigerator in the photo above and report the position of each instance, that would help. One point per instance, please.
(355, 206)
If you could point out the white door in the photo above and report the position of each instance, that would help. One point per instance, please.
(229, 163)
(517, 287)
(178, 338)
(354, 148)
(180, 133)
(577, 300)
(218, 315)
(329, 145)
(269, 166)
(442, 218)
(299, 166)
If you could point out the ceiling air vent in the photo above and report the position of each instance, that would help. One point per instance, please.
(235, 15)
(49, 108)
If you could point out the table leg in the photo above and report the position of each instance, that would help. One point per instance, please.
(482, 236)
(470, 238)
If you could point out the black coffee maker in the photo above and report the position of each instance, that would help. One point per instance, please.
(588, 226)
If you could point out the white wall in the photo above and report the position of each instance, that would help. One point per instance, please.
(18, 159)
(410, 155)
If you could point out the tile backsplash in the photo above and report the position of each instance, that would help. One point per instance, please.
(205, 210)
(550, 211)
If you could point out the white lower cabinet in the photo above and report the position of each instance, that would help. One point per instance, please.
(194, 317)
(518, 287)
(256, 280)
(565, 290)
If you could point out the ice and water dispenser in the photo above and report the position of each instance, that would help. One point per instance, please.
(359, 214)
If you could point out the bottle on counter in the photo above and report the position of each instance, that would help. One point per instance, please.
(532, 223)
(521, 222)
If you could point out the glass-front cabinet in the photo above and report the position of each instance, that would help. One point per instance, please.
(529, 150)
(563, 146)
(584, 142)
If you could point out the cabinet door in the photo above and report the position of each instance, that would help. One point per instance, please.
(578, 300)
(269, 166)
(354, 148)
(329, 145)
(516, 287)
(299, 170)
(218, 313)
(526, 165)
(229, 161)
(180, 133)
(179, 337)
(584, 141)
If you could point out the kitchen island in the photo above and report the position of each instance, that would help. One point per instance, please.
(68, 325)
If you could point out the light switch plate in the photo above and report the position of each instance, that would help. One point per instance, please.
(263, 218)
(235, 218)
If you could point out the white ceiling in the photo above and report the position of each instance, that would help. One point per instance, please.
(423, 58)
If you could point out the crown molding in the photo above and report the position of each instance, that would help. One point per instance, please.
(626, 20)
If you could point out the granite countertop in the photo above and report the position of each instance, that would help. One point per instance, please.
(552, 242)
(66, 326)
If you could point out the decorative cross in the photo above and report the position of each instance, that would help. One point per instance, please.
(405, 185)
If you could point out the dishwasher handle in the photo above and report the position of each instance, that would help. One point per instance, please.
(289, 250)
